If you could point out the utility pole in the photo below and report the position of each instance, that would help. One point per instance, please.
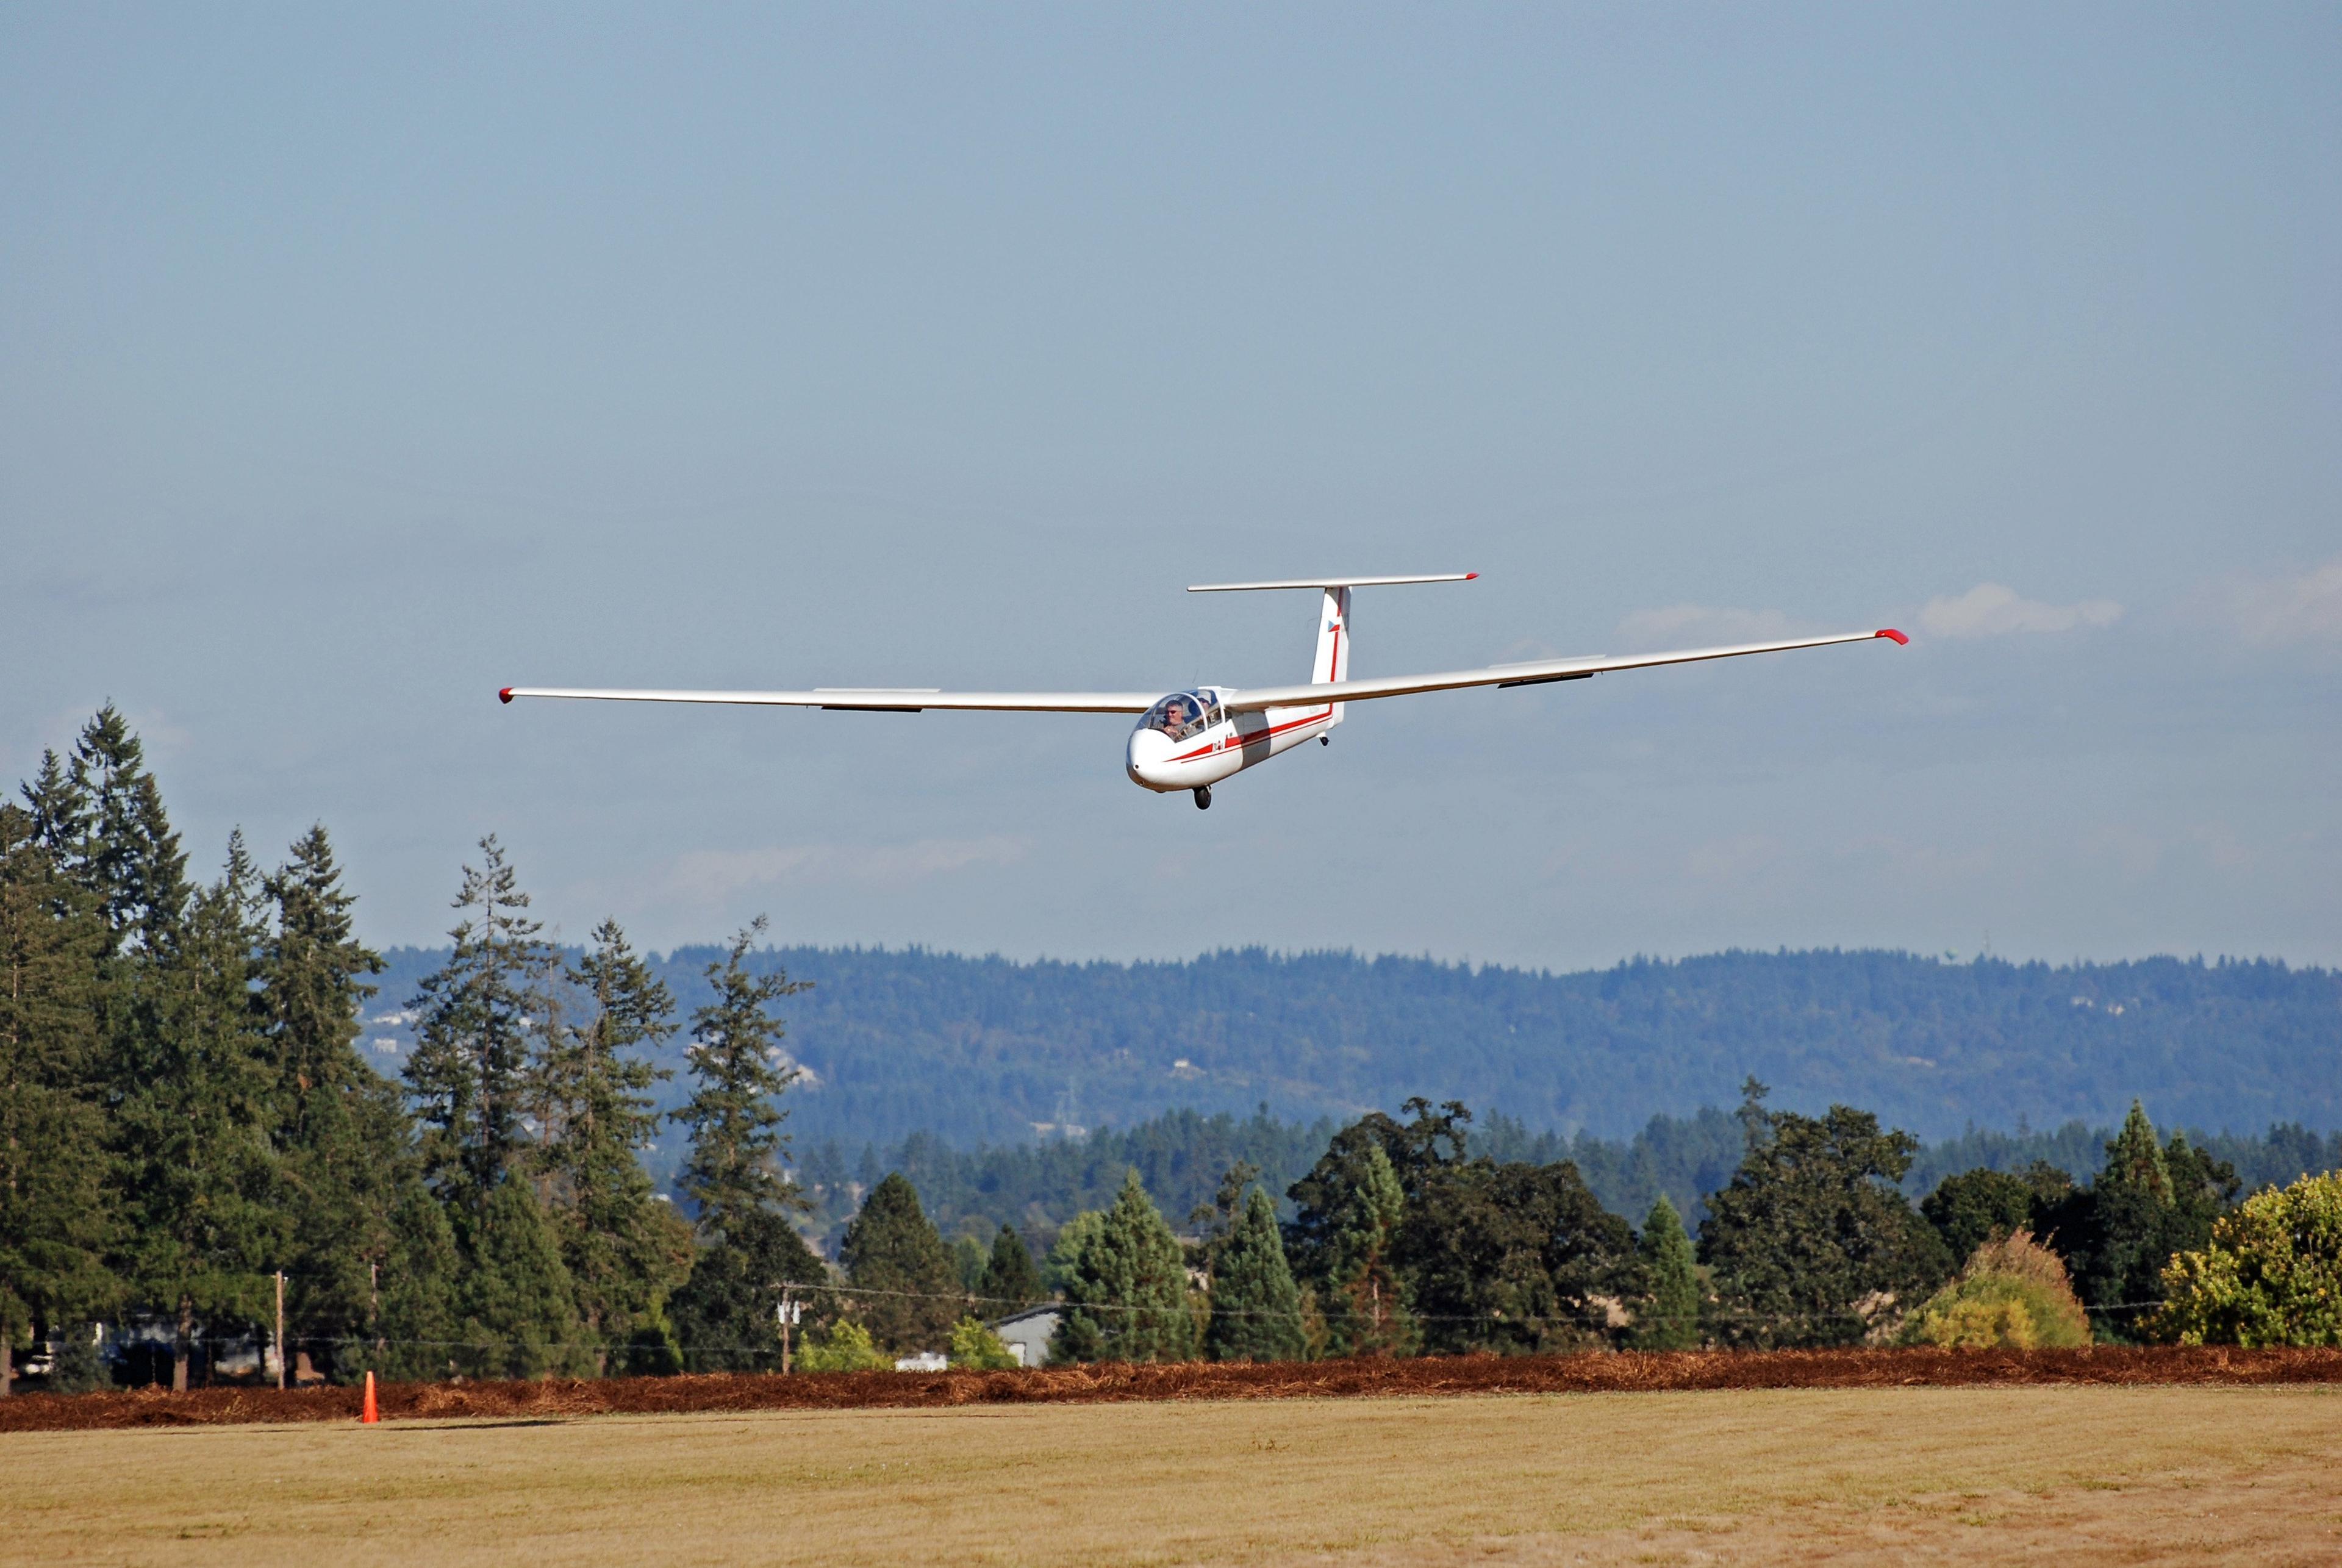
(280, 1328)
(789, 1312)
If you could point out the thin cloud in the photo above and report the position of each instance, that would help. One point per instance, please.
(1705, 625)
(1993, 610)
(707, 875)
(2301, 609)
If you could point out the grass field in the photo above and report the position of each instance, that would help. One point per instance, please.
(2086, 1474)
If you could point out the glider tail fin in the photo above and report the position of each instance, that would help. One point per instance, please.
(1332, 660)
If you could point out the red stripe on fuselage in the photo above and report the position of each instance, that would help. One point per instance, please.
(1256, 739)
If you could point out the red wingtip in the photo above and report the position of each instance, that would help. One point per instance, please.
(1469, 576)
(504, 695)
(1890, 632)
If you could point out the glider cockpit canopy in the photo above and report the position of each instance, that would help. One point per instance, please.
(1184, 714)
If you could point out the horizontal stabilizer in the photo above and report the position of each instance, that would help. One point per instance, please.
(1329, 582)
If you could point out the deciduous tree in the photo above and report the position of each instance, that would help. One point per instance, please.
(1979, 1206)
(1513, 1258)
(2270, 1273)
(1811, 1244)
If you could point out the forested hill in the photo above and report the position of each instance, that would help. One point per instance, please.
(985, 1049)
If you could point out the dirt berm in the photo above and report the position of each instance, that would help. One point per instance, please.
(1195, 1380)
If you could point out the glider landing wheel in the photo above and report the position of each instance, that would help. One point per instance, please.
(1203, 797)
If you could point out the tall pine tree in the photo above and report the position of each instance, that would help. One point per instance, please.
(479, 1044)
(194, 1125)
(1351, 1207)
(1255, 1306)
(1126, 1294)
(345, 1145)
(1011, 1282)
(1667, 1318)
(909, 1285)
(57, 1215)
(724, 1314)
(482, 1018)
(626, 1250)
(101, 814)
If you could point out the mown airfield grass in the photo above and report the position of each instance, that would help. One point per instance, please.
(1952, 1474)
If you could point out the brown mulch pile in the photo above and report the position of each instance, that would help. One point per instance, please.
(1195, 1379)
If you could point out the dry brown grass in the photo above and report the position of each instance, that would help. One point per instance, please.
(2087, 1474)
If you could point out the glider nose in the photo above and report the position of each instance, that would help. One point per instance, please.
(1148, 761)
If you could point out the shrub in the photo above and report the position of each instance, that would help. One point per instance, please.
(2270, 1276)
(978, 1349)
(2013, 1295)
(846, 1347)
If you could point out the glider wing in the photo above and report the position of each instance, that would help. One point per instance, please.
(869, 699)
(1533, 673)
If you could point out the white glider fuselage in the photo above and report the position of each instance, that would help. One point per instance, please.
(1193, 739)
(1221, 744)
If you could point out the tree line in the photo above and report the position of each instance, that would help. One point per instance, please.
(1403, 1240)
(185, 1119)
(187, 1126)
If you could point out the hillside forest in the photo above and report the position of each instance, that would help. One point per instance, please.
(193, 1130)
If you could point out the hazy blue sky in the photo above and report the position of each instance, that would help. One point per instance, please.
(352, 365)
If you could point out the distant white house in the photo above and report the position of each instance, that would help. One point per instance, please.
(1028, 1334)
(926, 1361)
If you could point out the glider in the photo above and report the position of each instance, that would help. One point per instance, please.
(1190, 740)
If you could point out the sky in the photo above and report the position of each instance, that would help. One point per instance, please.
(356, 363)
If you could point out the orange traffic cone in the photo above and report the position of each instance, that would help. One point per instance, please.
(367, 1415)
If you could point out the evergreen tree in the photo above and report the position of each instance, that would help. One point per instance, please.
(1011, 1282)
(483, 1017)
(473, 1074)
(1126, 1288)
(101, 816)
(411, 1310)
(1812, 1236)
(520, 1312)
(55, 1202)
(344, 1145)
(1668, 1315)
(203, 1229)
(724, 1314)
(1346, 1238)
(2135, 1160)
(626, 1251)
(1255, 1306)
(2149, 1202)
(969, 1259)
(893, 1254)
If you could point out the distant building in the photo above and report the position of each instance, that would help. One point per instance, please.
(1028, 1334)
(926, 1361)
